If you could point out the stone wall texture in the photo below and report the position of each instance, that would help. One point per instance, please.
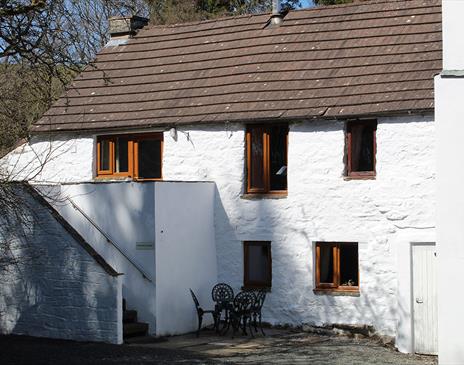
(57, 289)
(52, 159)
(321, 206)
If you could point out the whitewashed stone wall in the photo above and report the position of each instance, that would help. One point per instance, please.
(52, 158)
(57, 290)
(321, 206)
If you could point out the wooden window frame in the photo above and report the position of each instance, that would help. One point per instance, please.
(266, 190)
(255, 284)
(101, 172)
(132, 150)
(348, 149)
(155, 136)
(111, 173)
(335, 285)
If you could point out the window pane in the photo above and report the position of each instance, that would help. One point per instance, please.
(104, 155)
(121, 154)
(256, 159)
(278, 157)
(149, 159)
(362, 148)
(258, 264)
(349, 265)
(326, 264)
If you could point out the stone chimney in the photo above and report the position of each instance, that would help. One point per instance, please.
(125, 27)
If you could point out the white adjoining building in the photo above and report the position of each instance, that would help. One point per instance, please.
(297, 156)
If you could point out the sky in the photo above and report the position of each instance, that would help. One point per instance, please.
(306, 3)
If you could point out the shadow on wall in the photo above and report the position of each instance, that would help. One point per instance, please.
(52, 287)
(292, 300)
(122, 212)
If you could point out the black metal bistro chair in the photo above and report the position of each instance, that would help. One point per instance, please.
(260, 296)
(241, 314)
(201, 312)
(223, 296)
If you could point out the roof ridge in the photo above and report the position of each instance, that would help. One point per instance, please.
(205, 21)
(355, 3)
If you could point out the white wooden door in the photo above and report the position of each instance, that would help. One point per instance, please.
(425, 298)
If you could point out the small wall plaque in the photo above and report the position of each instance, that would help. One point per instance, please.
(144, 245)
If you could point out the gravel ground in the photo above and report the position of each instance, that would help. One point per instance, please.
(19, 350)
(310, 349)
(276, 348)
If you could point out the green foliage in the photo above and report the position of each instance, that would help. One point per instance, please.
(26, 93)
(179, 11)
(234, 7)
(173, 11)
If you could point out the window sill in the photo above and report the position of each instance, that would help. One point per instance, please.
(259, 196)
(112, 178)
(338, 292)
(256, 288)
(359, 177)
(147, 180)
(122, 178)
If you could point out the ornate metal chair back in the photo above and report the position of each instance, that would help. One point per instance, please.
(222, 293)
(195, 300)
(259, 302)
(244, 301)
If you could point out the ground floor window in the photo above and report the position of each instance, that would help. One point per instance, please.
(257, 264)
(337, 266)
(136, 156)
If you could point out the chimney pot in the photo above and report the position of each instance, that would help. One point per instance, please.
(276, 7)
(277, 17)
(124, 27)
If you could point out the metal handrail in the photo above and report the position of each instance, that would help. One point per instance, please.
(109, 240)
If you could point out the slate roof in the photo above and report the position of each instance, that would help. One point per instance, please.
(368, 58)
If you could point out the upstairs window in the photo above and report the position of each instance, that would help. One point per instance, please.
(131, 156)
(257, 264)
(337, 266)
(266, 151)
(361, 148)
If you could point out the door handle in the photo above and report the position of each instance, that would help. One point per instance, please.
(419, 300)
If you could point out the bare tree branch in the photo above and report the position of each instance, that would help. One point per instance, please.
(43, 45)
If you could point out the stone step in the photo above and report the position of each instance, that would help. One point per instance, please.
(135, 329)
(129, 316)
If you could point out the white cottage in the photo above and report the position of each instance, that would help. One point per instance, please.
(294, 153)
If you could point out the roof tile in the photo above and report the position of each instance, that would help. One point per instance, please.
(334, 62)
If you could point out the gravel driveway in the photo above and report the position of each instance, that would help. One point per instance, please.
(278, 347)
